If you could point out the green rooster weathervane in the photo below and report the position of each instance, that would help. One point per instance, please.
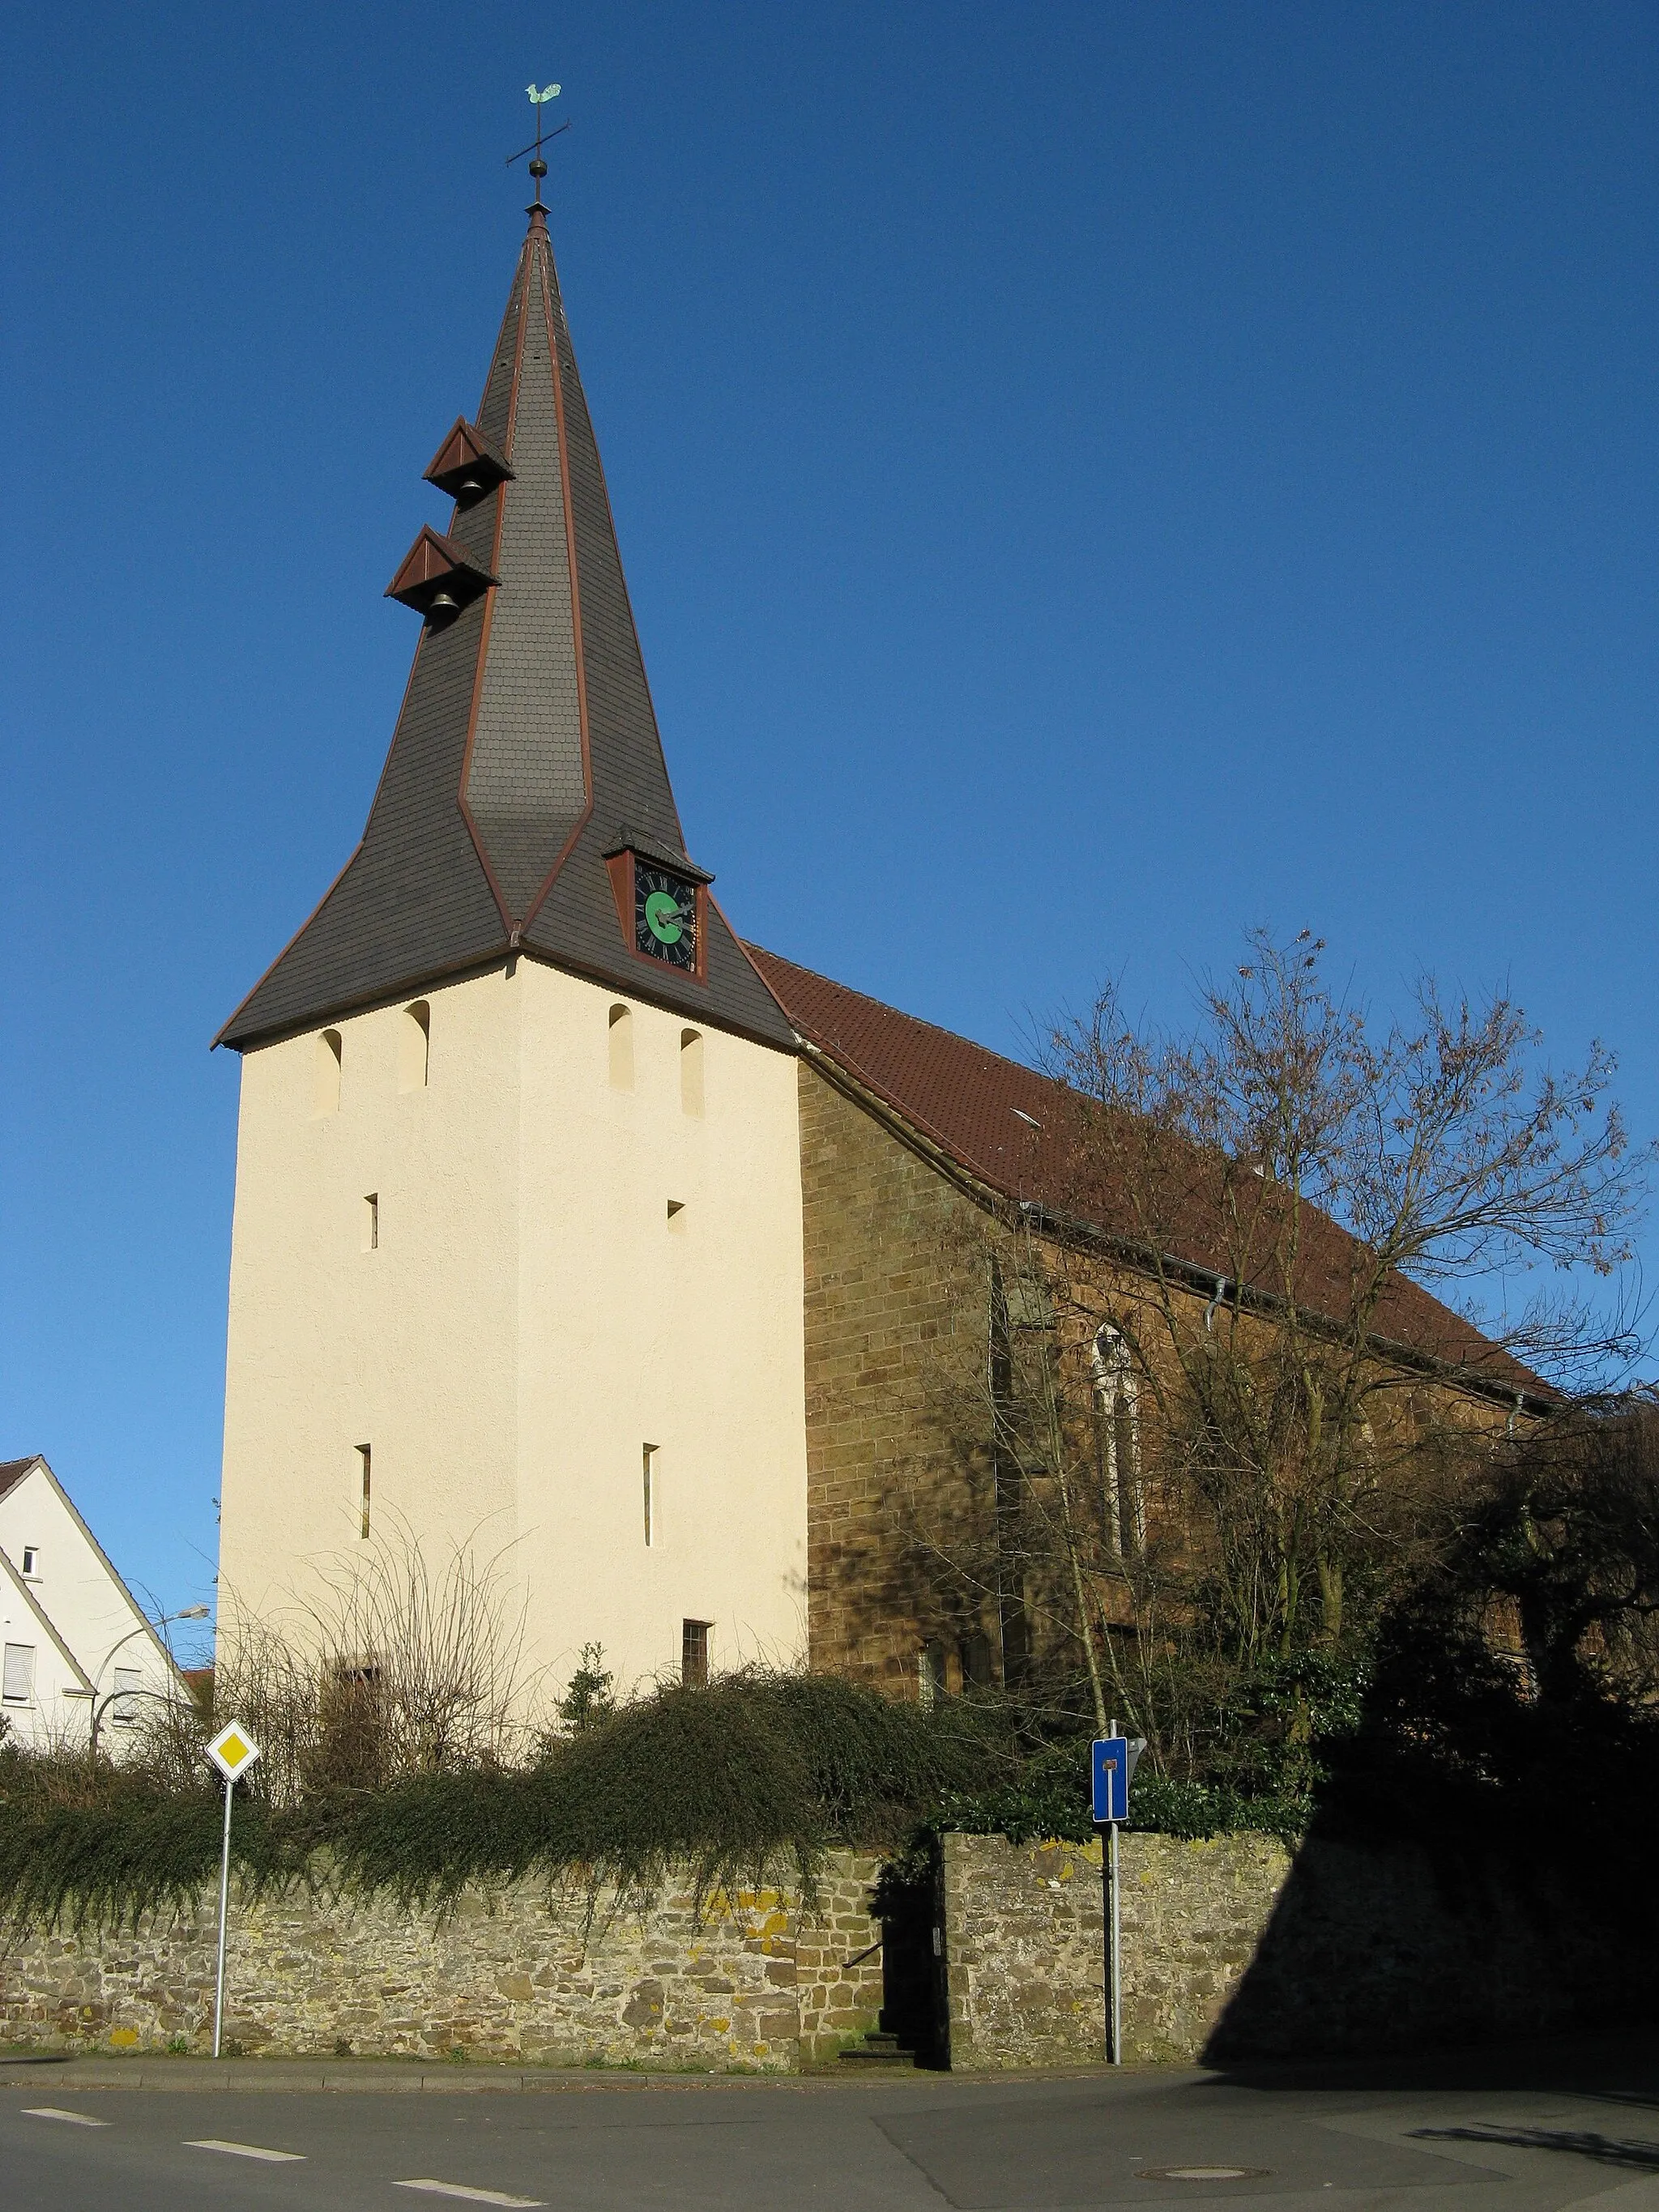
(539, 167)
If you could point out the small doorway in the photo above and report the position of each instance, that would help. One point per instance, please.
(914, 1999)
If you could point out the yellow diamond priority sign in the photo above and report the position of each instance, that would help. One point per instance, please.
(232, 1751)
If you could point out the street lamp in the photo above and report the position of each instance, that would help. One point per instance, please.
(99, 1705)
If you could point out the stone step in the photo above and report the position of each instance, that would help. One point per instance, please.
(879, 2050)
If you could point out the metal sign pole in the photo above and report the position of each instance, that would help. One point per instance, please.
(224, 1901)
(1116, 1950)
(1111, 1768)
(1106, 1944)
(234, 1751)
(1112, 1762)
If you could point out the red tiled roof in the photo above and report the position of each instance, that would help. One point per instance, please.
(969, 1100)
(1009, 1127)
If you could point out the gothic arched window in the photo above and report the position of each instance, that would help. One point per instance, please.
(1117, 1418)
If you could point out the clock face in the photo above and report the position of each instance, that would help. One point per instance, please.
(665, 916)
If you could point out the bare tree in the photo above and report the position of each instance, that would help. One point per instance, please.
(1563, 1537)
(392, 1667)
(1225, 1419)
(1323, 1175)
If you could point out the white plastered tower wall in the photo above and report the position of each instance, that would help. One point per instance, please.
(520, 1317)
(404, 1343)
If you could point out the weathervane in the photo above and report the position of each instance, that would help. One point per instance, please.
(538, 168)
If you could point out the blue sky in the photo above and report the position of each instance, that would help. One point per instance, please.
(1090, 477)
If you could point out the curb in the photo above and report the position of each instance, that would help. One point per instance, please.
(383, 2077)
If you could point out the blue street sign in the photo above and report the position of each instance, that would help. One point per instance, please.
(1111, 1764)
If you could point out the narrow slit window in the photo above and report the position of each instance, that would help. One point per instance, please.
(124, 1709)
(622, 1049)
(371, 1221)
(325, 1097)
(18, 1684)
(31, 1561)
(365, 1471)
(694, 1653)
(414, 1047)
(691, 1071)
(649, 1455)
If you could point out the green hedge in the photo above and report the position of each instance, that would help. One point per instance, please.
(1050, 1797)
(726, 1780)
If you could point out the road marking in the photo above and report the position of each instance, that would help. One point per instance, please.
(248, 2150)
(57, 2112)
(472, 2195)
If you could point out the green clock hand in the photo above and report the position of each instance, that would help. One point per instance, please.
(664, 917)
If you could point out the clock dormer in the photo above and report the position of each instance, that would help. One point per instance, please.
(662, 903)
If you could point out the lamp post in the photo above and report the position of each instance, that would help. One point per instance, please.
(99, 1705)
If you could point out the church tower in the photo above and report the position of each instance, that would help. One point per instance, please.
(516, 1256)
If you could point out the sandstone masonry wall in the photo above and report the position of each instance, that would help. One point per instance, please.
(758, 1980)
(884, 1298)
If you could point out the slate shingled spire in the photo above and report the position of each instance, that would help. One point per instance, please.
(526, 746)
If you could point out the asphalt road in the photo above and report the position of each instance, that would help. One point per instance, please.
(1524, 2133)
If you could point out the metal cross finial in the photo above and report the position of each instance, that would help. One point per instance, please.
(539, 167)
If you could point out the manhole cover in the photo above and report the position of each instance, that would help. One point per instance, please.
(1202, 2172)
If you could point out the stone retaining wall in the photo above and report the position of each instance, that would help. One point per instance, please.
(1241, 1949)
(1233, 1949)
(1024, 1950)
(757, 1980)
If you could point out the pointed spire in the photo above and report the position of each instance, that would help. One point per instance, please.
(526, 751)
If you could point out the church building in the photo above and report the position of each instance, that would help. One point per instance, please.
(569, 1228)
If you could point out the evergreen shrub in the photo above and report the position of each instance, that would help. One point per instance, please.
(1048, 1795)
(728, 1780)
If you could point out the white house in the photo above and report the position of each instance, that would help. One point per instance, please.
(77, 1646)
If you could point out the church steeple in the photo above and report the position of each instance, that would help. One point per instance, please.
(527, 754)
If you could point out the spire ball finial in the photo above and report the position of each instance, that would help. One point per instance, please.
(539, 167)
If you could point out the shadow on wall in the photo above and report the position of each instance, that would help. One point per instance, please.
(1479, 1866)
(1392, 1945)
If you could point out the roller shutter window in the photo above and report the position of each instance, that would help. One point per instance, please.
(18, 1687)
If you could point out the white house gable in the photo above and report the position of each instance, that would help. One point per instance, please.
(73, 1635)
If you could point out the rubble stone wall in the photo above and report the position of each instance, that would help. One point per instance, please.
(1239, 1947)
(1235, 1948)
(1026, 1955)
(760, 1979)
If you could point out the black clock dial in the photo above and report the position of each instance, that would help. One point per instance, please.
(665, 916)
